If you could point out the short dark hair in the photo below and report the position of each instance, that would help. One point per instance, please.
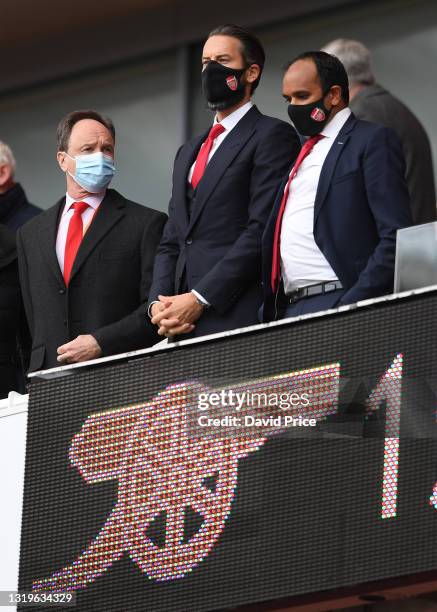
(252, 49)
(66, 125)
(330, 70)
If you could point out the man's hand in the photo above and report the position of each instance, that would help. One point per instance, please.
(81, 348)
(176, 314)
(159, 307)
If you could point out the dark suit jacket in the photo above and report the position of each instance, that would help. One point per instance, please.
(373, 103)
(15, 209)
(10, 312)
(361, 200)
(109, 282)
(217, 251)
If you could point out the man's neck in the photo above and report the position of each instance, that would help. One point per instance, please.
(335, 111)
(228, 111)
(77, 192)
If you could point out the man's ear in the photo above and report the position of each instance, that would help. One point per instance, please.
(335, 94)
(5, 174)
(62, 158)
(253, 73)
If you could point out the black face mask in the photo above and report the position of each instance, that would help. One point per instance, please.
(309, 119)
(222, 86)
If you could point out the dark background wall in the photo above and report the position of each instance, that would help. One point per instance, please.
(139, 62)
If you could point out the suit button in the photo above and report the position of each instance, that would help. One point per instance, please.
(62, 291)
(65, 322)
(189, 241)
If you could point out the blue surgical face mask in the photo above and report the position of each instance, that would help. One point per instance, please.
(94, 171)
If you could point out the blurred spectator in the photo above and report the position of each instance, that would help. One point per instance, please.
(11, 313)
(372, 102)
(15, 209)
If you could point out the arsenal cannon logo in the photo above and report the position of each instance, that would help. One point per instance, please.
(165, 463)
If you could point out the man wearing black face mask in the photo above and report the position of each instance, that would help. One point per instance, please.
(330, 239)
(207, 273)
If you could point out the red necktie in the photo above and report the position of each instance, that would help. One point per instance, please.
(74, 238)
(276, 268)
(202, 157)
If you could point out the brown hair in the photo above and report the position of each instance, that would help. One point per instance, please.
(66, 125)
(252, 49)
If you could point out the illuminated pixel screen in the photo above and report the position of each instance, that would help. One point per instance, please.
(277, 463)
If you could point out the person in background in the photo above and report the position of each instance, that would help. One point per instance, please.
(15, 210)
(370, 101)
(86, 263)
(331, 237)
(207, 275)
(11, 314)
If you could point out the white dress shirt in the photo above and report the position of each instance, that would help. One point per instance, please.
(94, 202)
(302, 262)
(228, 123)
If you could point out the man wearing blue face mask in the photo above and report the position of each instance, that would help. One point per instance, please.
(86, 263)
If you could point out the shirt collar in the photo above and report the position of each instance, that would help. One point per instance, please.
(333, 126)
(93, 200)
(231, 120)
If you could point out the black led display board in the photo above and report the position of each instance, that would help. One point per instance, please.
(281, 461)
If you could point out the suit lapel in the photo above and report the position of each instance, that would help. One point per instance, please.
(110, 211)
(271, 222)
(222, 158)
(48, 238)
(330, 163)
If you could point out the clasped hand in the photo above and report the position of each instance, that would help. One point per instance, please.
(176, 314)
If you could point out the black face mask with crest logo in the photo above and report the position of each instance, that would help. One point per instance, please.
(309, 119)
(222, 86)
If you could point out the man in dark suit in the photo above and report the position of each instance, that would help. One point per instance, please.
(330, 239)
(372, 102)
(12, 319)
(15, 209)
(207, 274)
(86, 263)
